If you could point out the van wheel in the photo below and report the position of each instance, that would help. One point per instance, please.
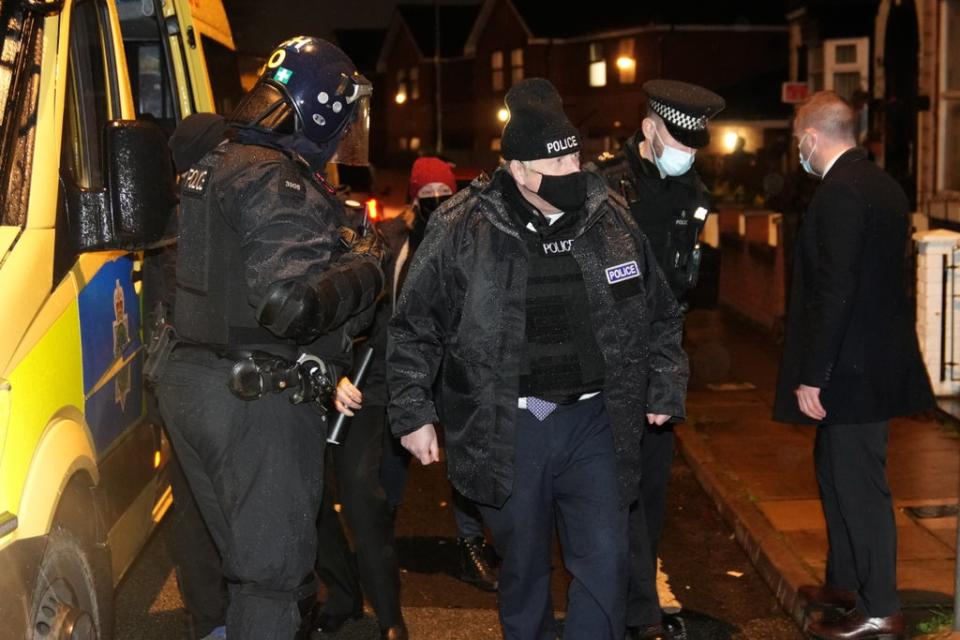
(68, 603)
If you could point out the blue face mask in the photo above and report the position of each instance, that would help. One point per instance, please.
(805, 162)
(672, 161)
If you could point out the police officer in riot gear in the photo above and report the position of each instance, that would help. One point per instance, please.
(269, 292)
(654, 173)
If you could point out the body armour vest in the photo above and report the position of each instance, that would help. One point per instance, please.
(213, 299)
(562, 360)
(670, 211)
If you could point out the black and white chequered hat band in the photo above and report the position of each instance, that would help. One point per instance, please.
(678, 118)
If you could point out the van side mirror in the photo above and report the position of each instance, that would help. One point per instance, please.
(134, 209)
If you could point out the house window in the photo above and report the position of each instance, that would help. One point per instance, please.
(598, 66)
(846, 66)
(949, 129)
(627, 62)
(414, 144)
(402, 143)
(815, 68)
(496, 66)
(414, 82)
(401, 95)
(516, 66)
(494, 144)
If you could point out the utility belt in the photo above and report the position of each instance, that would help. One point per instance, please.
(254, 373)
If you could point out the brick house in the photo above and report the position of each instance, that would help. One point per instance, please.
(408, 67)
(598, 62)
(904, 55)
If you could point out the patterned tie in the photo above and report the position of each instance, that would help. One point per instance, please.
(540, 408)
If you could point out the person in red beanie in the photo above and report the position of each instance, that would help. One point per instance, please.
(370, 472)
(431, 184)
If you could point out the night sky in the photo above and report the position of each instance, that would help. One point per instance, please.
(260, 24)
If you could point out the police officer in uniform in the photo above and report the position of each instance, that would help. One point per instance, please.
(536, 306)
(269, 291)
(654, 173)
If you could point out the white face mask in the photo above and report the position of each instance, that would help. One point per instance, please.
(672, 161)
(805, 162)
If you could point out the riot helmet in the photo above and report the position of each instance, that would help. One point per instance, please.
(310, 86)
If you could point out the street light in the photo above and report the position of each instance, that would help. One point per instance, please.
(730, 140)
(503, 115)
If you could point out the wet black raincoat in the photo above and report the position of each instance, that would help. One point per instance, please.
(461, 315)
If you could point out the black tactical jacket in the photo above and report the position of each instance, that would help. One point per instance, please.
(461, 314)
(665, 208)
(251, 216)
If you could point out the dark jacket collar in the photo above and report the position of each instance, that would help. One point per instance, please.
(501, 200)
(638, 164)
(854, 154)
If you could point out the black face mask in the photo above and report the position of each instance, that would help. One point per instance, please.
(427, 206)
(567, 193)
(424, 209)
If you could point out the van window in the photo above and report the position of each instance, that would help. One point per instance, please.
(148, 62)
(86, 109)
(85, 114)
(22, 34)
(224, 75)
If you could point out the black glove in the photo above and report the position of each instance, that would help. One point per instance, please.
(370, 244)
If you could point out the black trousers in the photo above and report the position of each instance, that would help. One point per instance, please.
(646, 524)
(255, 469)
(564, 472)
(851, 464)
(195, 558)
(356, 465)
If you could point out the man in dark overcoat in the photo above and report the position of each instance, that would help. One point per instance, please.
(851, 362)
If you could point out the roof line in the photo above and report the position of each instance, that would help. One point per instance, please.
(396, 23)
(480, 24)
(617, 33)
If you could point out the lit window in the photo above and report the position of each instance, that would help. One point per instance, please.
(402, 144)
(414, 144)
(627, 62)
(846, 66)
(496, 66)
(949, 129)
(495, 144)
(516, 66)
(598, 66)
(401, 95)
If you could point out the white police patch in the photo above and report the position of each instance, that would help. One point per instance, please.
(621, 272)
(194, 180)
(557, 247)
(564, 144)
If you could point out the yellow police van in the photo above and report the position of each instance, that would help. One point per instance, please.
(89, 92)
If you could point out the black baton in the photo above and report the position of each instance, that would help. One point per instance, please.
(336, 429)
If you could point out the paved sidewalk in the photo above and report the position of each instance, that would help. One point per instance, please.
(760, 473)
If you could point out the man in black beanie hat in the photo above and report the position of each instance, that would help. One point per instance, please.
(536, 299)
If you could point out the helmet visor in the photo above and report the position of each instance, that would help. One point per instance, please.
(354, 147)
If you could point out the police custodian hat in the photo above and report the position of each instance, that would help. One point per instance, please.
(684, 108)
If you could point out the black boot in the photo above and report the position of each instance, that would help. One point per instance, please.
(674, 626)
(322, 622)
(474, 567)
